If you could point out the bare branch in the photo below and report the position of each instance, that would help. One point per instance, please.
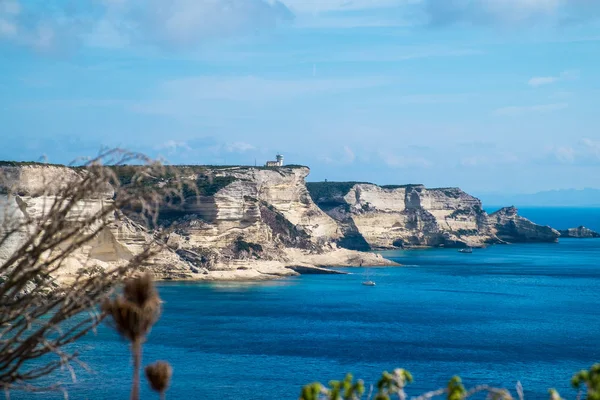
(50, 217)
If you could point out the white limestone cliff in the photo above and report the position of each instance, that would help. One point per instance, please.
(374, 217)
(27, 192)
(262, 223)
(258, 223)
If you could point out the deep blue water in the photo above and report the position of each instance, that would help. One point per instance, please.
(528, 313)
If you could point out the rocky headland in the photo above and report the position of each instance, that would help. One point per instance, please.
(510, 227)
(248, 223)
(580, 232)
(236, 223)
(387, 217)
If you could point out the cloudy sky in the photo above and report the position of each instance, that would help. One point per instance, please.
(489, 95)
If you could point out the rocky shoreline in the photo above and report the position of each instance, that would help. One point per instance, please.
(246, 223)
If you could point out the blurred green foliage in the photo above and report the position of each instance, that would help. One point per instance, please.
(456, 390)
(391, 385)
(588, 380)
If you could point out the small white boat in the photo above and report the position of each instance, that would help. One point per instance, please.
(368, 281)
(467, 250)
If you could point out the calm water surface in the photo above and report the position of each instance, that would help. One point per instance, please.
(528, 313)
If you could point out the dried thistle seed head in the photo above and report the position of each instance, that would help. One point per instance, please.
(130, 320)
(159, 375)
(140, 290)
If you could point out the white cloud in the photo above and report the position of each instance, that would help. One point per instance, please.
(343, 13)
(564, 154)
(186, 22)
(547, 80)
(172, 146)
(250, 88)
(173, 23)
(239, 147)
(7, 28)
(473, 161)
(493, 158)
(317, 6)
(542, 108)
(434, 98)
(542, 80)
(182, 24)
(10, 7)
(561, 95)
(182, 97)
(397, 53)
(400, 161)
(512, 12)
(9, 11)
(43, 26)
(337, 21)
(592, 146)
(349, 155)
(584, 152)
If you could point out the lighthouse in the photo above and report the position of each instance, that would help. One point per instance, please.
(278, 163)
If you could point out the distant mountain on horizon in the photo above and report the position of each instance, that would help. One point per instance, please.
(588, 197)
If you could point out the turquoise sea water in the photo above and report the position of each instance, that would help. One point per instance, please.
(528, 313)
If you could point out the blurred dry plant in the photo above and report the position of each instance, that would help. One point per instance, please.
(69, 207)
(159, 376)
(133, 315)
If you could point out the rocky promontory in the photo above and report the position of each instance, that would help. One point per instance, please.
(580, 232)
(512, 228)
(235, 223)
(249, 223)
(383, 217)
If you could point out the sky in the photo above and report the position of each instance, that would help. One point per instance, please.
(487, 95)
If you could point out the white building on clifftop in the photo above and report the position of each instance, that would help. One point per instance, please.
(278, 163)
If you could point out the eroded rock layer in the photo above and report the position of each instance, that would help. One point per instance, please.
(261, 223)
(375, 217)
(235, 223)
(511, 227)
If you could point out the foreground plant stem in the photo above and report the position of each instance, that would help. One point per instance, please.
(136, 351)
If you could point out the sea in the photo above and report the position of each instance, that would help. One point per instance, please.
(525, 313)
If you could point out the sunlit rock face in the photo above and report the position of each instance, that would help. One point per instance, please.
(262, 223)
(372, 217)
(511, 227)
(261, 218)
(28, 192)
(240, 223)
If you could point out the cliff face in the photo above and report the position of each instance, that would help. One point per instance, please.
(238, 223)
(259, 217)
(371, 216)
(390, 217)
(34, 189)
(257, 223)
(511, 227)
(282, 191)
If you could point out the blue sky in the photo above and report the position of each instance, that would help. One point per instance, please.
(488, 95)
